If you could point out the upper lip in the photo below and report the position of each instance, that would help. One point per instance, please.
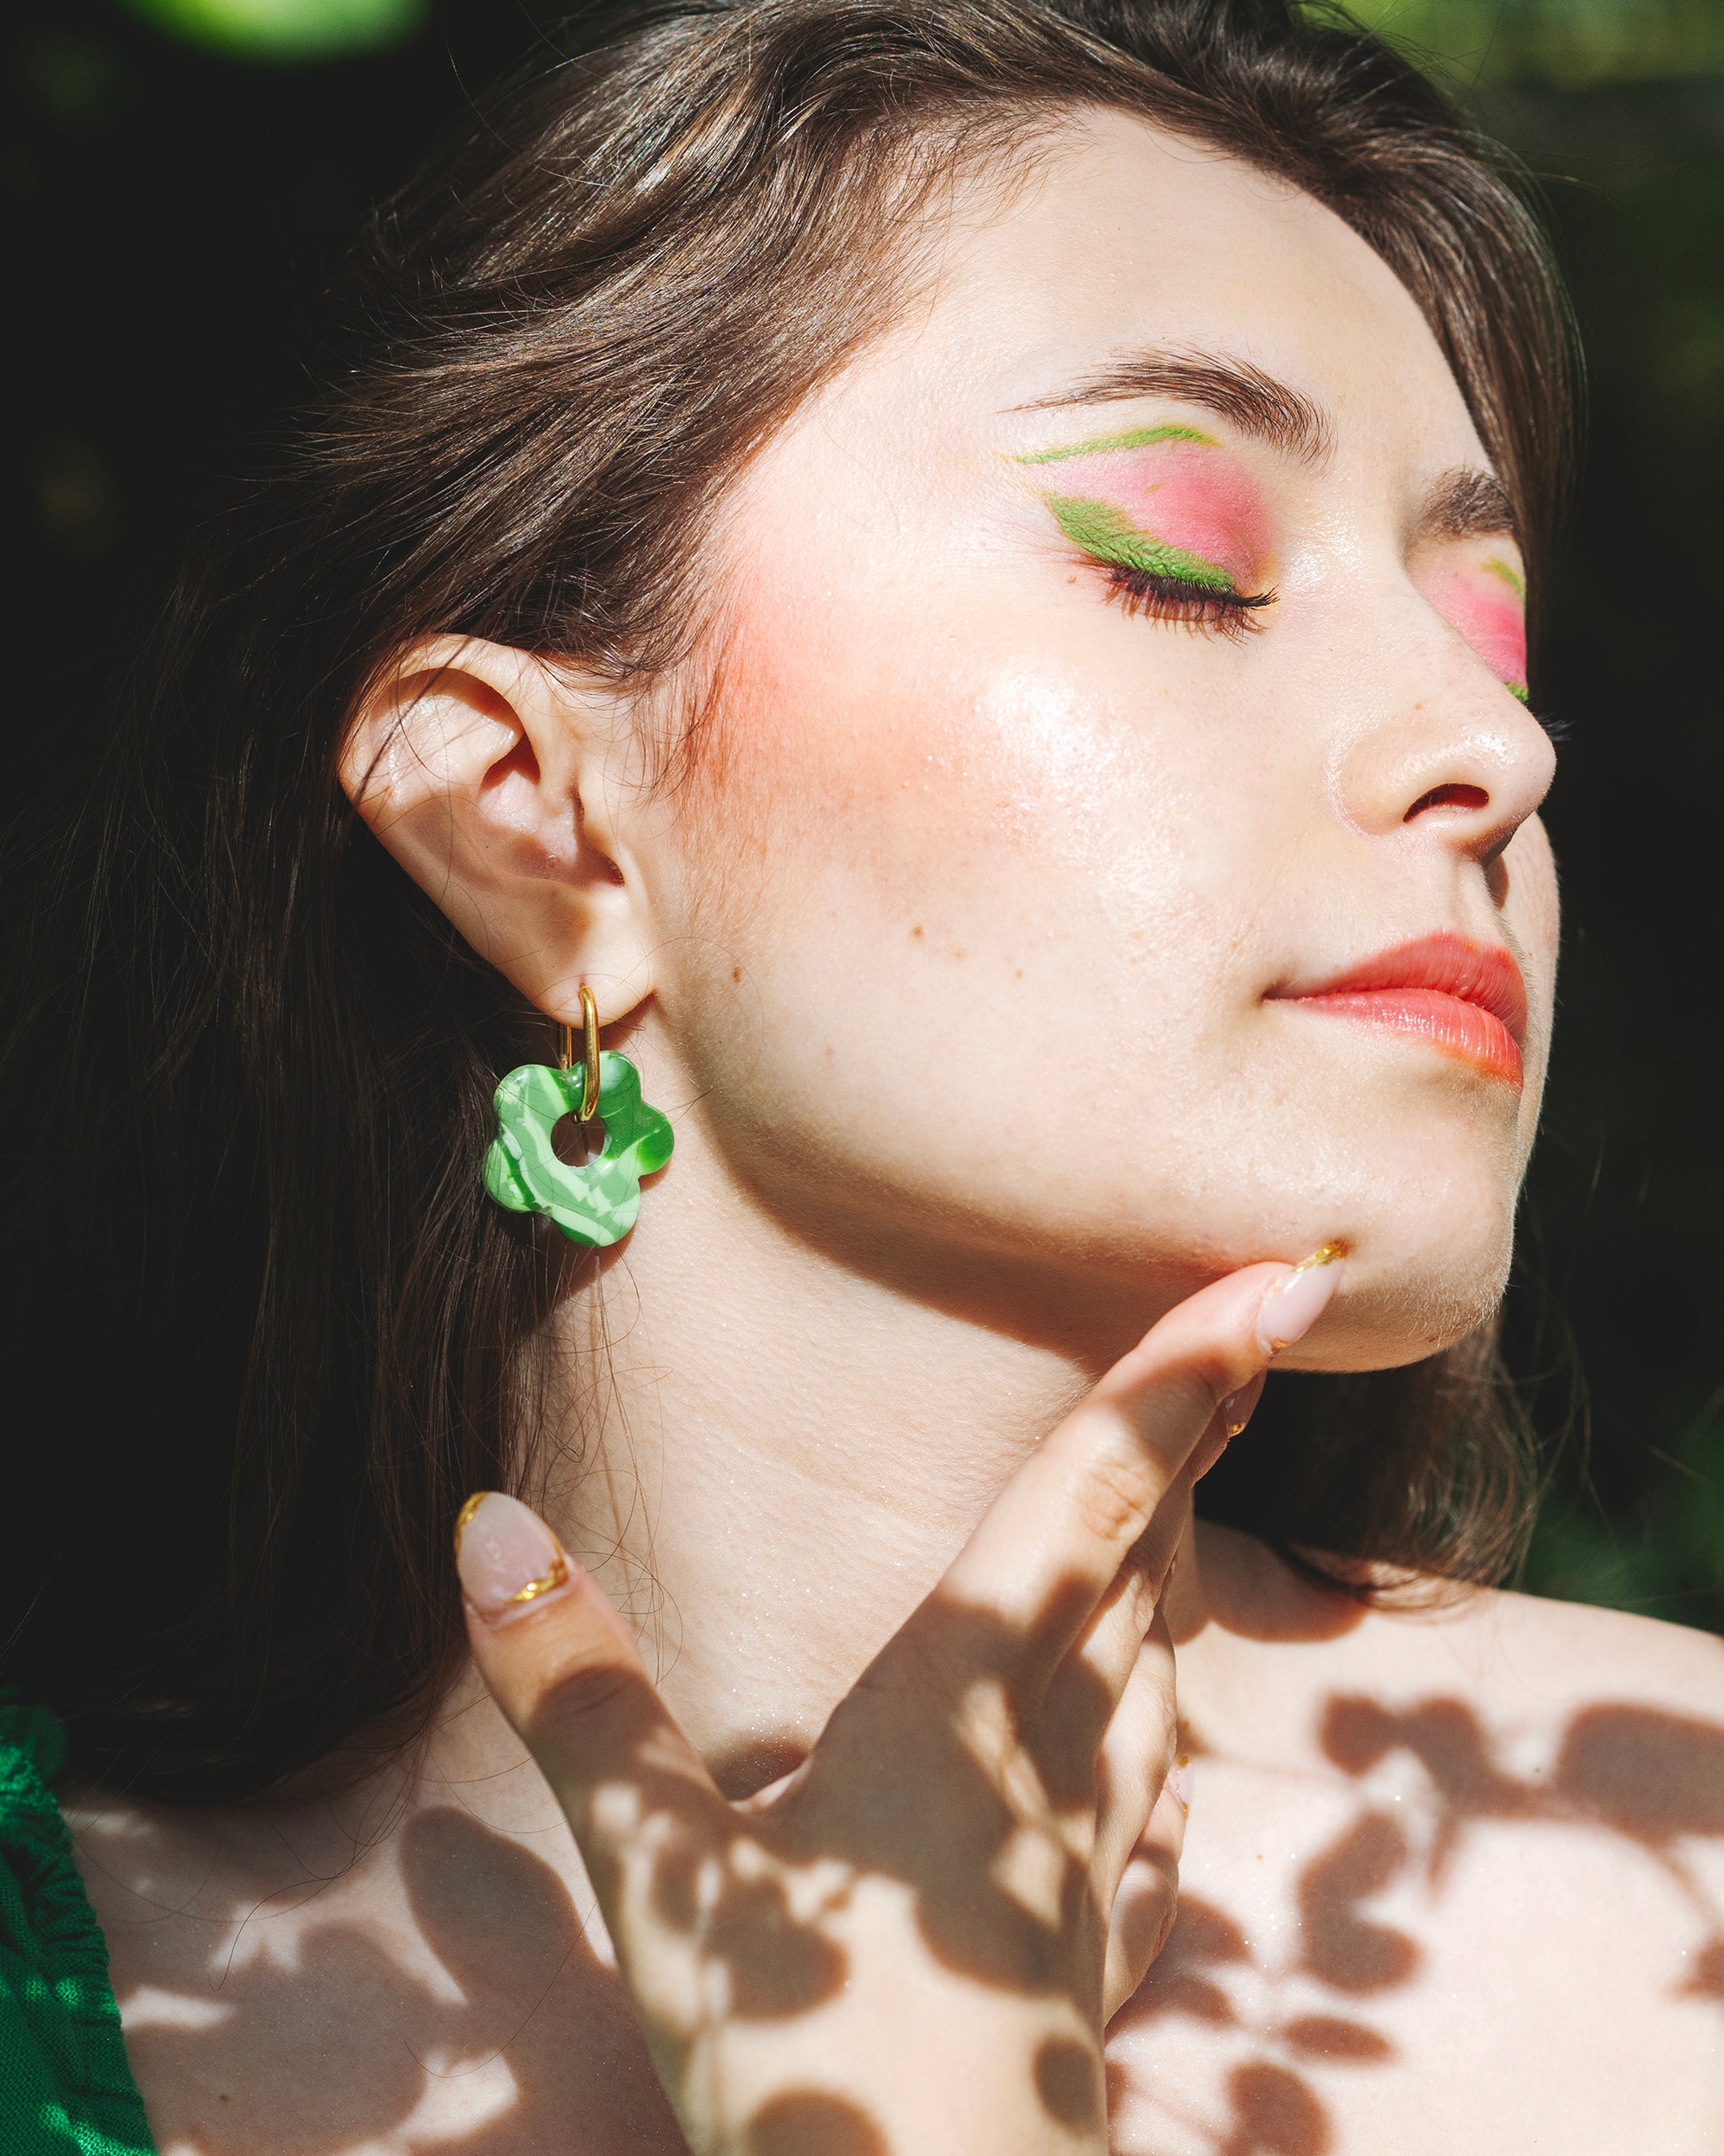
(1452, 965)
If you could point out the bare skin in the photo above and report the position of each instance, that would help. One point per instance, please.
(961, 965)
(1323, 1979)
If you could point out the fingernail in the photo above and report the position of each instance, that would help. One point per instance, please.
(1181, 1776)
(505, 1553)
(1294, 1305)
(1236, 1411)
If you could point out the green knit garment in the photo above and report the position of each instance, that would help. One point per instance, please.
(65, 2087)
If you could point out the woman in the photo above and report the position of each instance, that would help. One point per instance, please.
(957, 578)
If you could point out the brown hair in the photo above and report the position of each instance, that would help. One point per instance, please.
(267, 1331)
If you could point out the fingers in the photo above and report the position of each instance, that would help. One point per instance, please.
(567, 1673)
(1148, 1898)
(1107, 1650)
(1134, 1759)
(1146, 1785)
(1056, 1536)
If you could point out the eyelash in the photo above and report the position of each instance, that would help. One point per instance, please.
(1165, 598)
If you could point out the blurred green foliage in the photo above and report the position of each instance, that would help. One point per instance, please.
(175, 208)
(1570, 43)
(1616, 110)
(287, 29)
(1626, 1187)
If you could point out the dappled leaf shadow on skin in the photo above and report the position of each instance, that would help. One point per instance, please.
(1275, 2113)
(1344, 1949)
(342, 2041)
(1068, 2081)
(1653, 1777)
(763, 1905)
(803, 2120)
(484, 2023)
(337, 2043)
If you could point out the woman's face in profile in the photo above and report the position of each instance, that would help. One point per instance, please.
(1114, 660)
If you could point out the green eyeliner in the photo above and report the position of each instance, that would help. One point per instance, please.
(1500, 570)
(1133, 438)
(1109, 534)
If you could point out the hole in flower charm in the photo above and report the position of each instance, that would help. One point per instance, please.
(595, 1203)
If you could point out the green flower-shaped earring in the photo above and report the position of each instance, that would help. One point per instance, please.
(595, 1203)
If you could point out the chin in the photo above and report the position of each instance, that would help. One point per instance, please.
(1409, 1293)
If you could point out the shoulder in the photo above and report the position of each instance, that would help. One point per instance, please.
(1478, 1843)
(1529, 1649)
(1518, 1699)
(1593, 1714)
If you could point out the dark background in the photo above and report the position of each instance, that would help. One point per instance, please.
(180, 176)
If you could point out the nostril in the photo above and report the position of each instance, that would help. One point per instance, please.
(1449, 796)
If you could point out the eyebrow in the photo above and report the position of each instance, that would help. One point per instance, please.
(1271, 411)
(1469, 503)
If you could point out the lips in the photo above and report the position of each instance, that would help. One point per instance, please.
(1466, 999)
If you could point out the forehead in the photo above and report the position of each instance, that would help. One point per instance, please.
(1119, 237)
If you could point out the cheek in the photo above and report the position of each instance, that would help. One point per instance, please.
(1492, 622)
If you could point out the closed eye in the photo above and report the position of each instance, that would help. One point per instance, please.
(1168, 598)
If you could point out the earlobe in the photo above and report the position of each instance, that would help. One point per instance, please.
(480, 771)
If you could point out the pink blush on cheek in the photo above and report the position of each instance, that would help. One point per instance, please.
(1193, 499)
(1492, 621)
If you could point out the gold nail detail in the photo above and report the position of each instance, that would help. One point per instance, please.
(557, 1577)
(466, 1513)
(1325, 1254)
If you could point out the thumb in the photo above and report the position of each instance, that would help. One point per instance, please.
(569, 1676)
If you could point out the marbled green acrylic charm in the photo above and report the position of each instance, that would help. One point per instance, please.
(595, 1204)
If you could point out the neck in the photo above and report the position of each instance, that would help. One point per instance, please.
(784, 1449)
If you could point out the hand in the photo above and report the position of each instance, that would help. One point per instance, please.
(913, 1942)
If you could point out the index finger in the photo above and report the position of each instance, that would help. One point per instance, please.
(1056, 1537)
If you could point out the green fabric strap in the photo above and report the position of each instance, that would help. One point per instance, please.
(65, 2087)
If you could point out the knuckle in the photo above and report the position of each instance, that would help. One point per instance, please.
(578, 1693)
(1115, 1498)
(1169, 1913)
(1208, 1380)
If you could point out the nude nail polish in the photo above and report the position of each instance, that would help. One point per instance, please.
(505, 1553)
(1294, 1305)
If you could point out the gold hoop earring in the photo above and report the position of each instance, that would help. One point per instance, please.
(589, 1042)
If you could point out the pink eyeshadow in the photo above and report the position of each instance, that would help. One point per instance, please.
(1186, 494)
(1491, 620)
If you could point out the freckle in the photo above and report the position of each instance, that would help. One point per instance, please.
(915, 931)
(736, 973)
(1021, 973)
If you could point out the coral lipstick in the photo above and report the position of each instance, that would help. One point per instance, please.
(1466, 999)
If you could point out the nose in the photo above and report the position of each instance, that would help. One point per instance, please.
(1463, 763)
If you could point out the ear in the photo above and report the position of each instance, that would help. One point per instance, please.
(495, 782)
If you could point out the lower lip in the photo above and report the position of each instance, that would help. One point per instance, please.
(1459, 1029)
